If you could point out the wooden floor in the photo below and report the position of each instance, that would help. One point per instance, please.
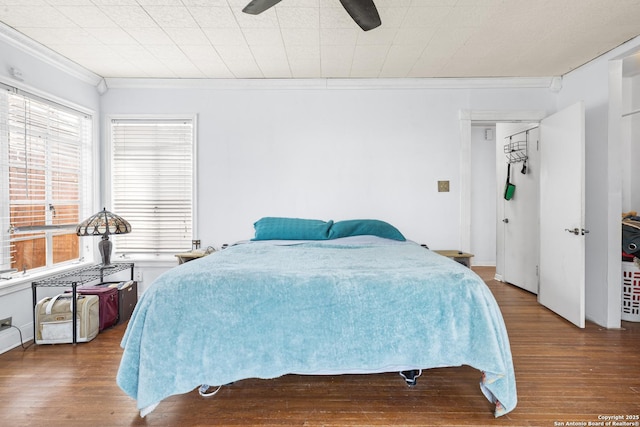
(564, 375)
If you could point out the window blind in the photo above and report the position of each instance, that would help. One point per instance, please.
(45, 174)
(152, 183)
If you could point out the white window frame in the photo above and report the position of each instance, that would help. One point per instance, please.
(161, 258)
(88, 191)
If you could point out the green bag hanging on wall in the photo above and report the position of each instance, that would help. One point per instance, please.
(509, 188)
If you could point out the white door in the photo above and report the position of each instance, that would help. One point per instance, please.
(521, 213)
(562, 233)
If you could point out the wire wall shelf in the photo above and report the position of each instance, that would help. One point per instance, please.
(516, 151)
(83, 274)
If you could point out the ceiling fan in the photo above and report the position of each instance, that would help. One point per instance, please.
(363, 12)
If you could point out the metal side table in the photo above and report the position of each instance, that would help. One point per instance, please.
(72, 278)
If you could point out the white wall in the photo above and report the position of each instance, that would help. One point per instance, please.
(42, 78)
(326, 153)
(634, 135)
(629, 137)
(483, 195)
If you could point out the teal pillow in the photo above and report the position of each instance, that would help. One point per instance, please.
(359, 227)
(277, 228)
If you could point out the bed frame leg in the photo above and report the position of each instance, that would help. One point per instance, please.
(411, 377)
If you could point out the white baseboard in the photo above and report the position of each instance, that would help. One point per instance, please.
(483, 264)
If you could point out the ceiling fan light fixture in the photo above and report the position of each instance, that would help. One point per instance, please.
(363, 12)
(256, 7)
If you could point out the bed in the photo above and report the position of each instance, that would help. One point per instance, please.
(353, 298)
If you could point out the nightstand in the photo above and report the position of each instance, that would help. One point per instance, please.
(191, 255)
(458, 256)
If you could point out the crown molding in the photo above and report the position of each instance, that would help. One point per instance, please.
(551, 83)
(449, 83)
(46, 55)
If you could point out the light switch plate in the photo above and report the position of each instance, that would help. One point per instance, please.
(443, 186)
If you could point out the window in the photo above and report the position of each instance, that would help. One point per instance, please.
(44, 177)
(152, 184)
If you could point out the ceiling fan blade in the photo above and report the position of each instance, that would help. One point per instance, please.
(364, 12)
(256, 7)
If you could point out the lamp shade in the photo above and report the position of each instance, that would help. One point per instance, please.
(103, 223)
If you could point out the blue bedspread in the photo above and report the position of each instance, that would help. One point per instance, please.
(259, 310)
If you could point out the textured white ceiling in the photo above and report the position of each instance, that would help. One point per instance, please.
(317, 38)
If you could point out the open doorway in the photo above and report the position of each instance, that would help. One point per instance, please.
(504, 233)
(473, 122)
(556, 252)
(470, 119)
(483, 194)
